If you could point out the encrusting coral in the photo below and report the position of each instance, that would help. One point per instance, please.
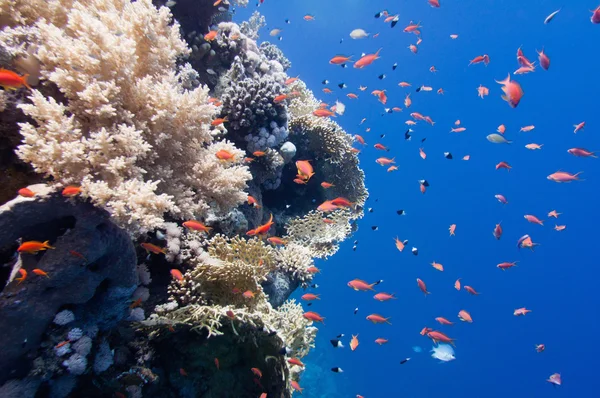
(137, 142)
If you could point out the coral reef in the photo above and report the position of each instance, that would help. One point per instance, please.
(159, 121)
(123, 97)
(94, 283)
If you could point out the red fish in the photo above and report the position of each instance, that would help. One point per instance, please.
(533, 219)
(504, 266)
(422, 286)
(71, 190)
(262, 229)
(544, 60)
(498, 231)
(26, 193)
(197, 226)
(295, 361)
(471, 290)
(33, 247)
(339, 60)
(479, 59)
(384, 296)
(384, 161)
(176, 274)
(443, 321)
(501, 199)
(224, 155)
(296, 386)
(313, 316)
(512, 91)
(40, 272)
(503, 165)
(381, 147)
(323, 113)
(381, 341)
(595, 18)
(367, 60)
(375, 318)
(310, 297)
(439, 337)
(563, 176)
(10, 80)
(578, 127)
(434, 3)
(361, 285)
(521, 311)
(22, 277)
(580, 152)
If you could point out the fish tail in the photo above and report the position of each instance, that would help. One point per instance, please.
(24, 77)
(387, 320)
(47, 245)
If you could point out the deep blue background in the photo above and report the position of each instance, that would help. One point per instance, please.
(559, 281)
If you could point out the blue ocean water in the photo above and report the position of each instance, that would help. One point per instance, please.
(558, 281)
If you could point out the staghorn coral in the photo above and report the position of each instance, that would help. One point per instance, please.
(138, 143)
(295, 331)
(319, 237)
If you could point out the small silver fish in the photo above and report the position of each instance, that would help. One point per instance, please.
(497, 139)
(170, 3)
(551, 16)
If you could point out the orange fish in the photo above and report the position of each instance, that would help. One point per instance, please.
(197, 226)
(471, 290)
(249, 294)
(253, 202)
(326, 91)
(175, 273)
(259, 153)
(533, 219)
(33, 247)
(414, 49)
(466, 157)
(308, 17)
(327, 185)
(458, 130)
(10, 80)
(280, 98)
(412, 28)
(375, 318)
(323, 113)
(151, 248)
(521, 311)
(291, 80)
(457, 284)
(71, 190)
(578, 127)
(342, 202)
(217, 363)
(407, 101)
(352, 96)
(136, 303)
(392, 168)
(422, 153)
(527, 128)
(503, 165)
(479, 59)
(404, 84)
(313, 270)
(425, 330)
(339, 60)
(310, 297)
(256, 372)
(262, 229)
(437, 266)
(295, 384)
(295, 361)
(482, 91)
(560, 227)
(367, 60)
(354, 342)
(381, 147)
(313, 316)
(224, 155)
(444, 321)
(452, 229)
(506, 265)
(327, 206)
(534, 146)
(380, 341)
(361, 285)
(276, 240)
(305, 169)
(219, 121)
(399, 244)
(26, 193)
(23, 276)
(439, 337)
(501, 129)
(385, 161)
(40, 272)
(554, 214)
(359, 139)
(540, 347)
(512, 91)
(384, 296)
(465, 316)
(328, 221)
(210, 36)
(422, 286)
(299, 181)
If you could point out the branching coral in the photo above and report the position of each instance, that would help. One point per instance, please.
(272, 52)
(138, 143)
(321, 238)
(296, 259)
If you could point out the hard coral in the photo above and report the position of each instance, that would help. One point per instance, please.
(138, 143)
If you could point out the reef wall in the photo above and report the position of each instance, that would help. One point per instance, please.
(182, 232)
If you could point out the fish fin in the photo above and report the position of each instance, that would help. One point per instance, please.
(47, 245)
(25, 76)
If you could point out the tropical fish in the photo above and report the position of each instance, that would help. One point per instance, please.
(443, 352)
(551, 16)
(358, 34)
(512, 91)
(33, 247)
(497, 139)
(367, 60)
(10, 80)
